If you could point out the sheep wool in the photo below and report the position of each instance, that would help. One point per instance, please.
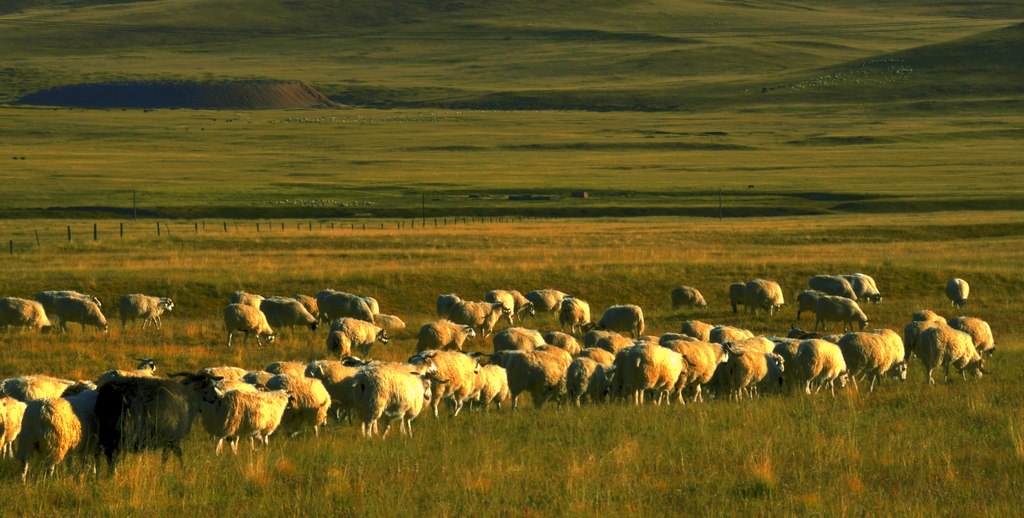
(23, 313)
(49, 430)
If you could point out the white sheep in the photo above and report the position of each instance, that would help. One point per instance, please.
(33, 387)
(248, 319)
(443, 335)
(957, 290)
(47, 298)
(625, 318)
(980, 331)
(591, 337)
(614, 342)
(225, 372)
(702, 359)
(338, 304)
(819, 363)
(83, 311)
(490, 386)
(762, 294)
(454, 377)
(82, 399)
(650, 367)
(146, 369)
(254, 378)
(390, 392)
(927, 315)
(445, 303)
(309, 303)
(308, 405)
(912, 334)
(50, 429)
(687, 296)
(541, 372)
(564, 341)
(722, 334)
(807, 300)
(586, 378)
(393, 325)
(574, 313)
(546, 300)
(517, 339)
(235, 414)
(138, 306)
(697, 329)
(23, 313)
(371, 303)
(864, 286)
(832, 285)
(481, 316)
(516, 302)
(11, 413)
(601, 356)
(747, 368)
(287, 312)
(337, 379)
(243, 297)
(737, 295)
(942, 345)
(877, 354)
(348, 333)
(830, 308)
(291, 368)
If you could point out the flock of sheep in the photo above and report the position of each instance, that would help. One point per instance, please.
(585, 361)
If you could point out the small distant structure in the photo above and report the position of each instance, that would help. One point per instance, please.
(580, 194)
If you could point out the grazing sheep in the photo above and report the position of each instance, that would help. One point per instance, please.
(337, 379)
(614, 343)
(286, 312)
(490, 386)
(746, 369)
(249, 299)
(371, 303)
(832, 285)
(697, 329)
(819, 363)
(47, 298)
(546, 300)
(83, 404)
(393, 325)
(308, 405)
(590, 339)
(672, 337)
(627, 318)
(807, 300)
(876, 354)
(23, 313)
(243, 384)
(309, 303)
(927, 315)
(445, 303)
(574, 313)
(980, 331)
(235, 414)
(248, 319)
(453, 379)
(49, 429)
(224, 372)
(291, 368)
(957, 290)
(481, 316)
(912, 334)
(687, 296)
(149, 309)
(601, 356)
(830, 308)
(516, 302)
(146, 369)
(722, 334)
(443, 335)
(11, 413)
(33, 387)
(347, 333)
(755, 343)
(337, 304)
(564, 341)
(737, 295)
(255, 378)
(864, 286)
(586, 378)
(787, 349)
(941, 345)
(517, 339)
(80, 310)
(650, 367)
(541, 372)
(762, 294)
(390, 392)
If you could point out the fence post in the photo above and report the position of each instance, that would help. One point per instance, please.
(69, 233)
(257, 226)
(158, 228)
(12, 247)
(122, 230)
(37, 239)
(225, 226)
(94, 233)
(167, 227)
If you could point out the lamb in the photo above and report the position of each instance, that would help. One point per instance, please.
(11, 413)
(248, 319)
(490, 386)
(445, 303)
(224, 372)
(149, 309)
(722, 334)
(249, 299)
(443, 335)
(763, 294)
(601, 356)
(737, 295)
(390, 323)
(34, 387)
(286, 312)
(290, 368)
(819, 363)
(980, 331)
(830, 308)
(23, 313)
(687, 296)
(337, 379)
(81, 310)
(832, 285)
(877, 354)
(308, 405)
(49, 429)
(309, 303)
(546, 300)
(614, 343)
(627, 318)
(564, 341)
(945, 346)
(574, 313)
(454, 377)
(517, 339)
(697, 329)
(347, 333)
(235, 414)
(746, 369)
(146, 369)
(586, 378)
(516, 302)
(807, 300)
(391, 392)
(337, 304)
(541, 372)
(481, 316)
(957, 290)
(650, 367)
(927, 315)
(864, 286)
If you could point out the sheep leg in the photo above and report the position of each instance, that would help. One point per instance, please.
(871, 387)
(24, 471)
(230, 334)
(698, 397)
(458, 407)
(216, 450)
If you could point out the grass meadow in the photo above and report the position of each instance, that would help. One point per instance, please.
(904, 449)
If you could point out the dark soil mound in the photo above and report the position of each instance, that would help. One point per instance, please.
(221, 95)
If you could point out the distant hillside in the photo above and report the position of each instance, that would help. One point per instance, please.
(239, 95)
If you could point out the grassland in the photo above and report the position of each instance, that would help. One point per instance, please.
(905, 449)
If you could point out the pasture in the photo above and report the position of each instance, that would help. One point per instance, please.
(904, 449)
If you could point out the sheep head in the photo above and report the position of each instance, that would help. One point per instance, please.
(146, 363)
(382, 336)
(899, 371)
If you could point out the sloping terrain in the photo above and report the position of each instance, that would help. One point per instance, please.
(239, 95)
